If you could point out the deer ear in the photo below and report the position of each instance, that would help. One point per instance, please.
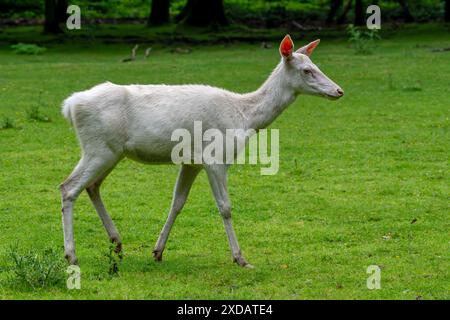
(286, 47)
(309, 48)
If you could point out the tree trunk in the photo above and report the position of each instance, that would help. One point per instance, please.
(159, 13)
(55, 13)
(334, 7)
(359, 13)
(447, 11)
(407, 16)
(343, 18)
(203, 13)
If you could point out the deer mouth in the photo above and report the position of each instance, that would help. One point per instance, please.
(331, 96)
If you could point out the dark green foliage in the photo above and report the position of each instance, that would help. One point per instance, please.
(114, 260)
(255, 12)
(363, 40)
(35, 268)
(25, 48)
(21, 8)
(35, 113)
(7, 123)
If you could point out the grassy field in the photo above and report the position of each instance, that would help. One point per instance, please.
(362, 181)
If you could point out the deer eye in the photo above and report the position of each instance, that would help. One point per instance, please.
(307, 71)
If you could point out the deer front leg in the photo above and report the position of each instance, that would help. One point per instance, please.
(217, 175)
(183, 185)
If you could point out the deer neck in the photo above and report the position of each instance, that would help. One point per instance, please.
(264, 105)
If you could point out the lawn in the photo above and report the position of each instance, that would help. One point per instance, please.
(362, 181)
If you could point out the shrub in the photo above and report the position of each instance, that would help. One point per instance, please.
(363, 40)
(35, 114)
(114, 260)
(7, 123)
(24, 48)
(35, 269)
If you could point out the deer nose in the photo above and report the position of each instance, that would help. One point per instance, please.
(340, 92)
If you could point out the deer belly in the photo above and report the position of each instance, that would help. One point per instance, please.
(149, 152)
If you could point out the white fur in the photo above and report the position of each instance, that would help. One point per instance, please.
(136, 121)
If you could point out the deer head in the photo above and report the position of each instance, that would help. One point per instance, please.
(303, 75)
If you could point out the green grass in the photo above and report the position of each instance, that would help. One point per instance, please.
(354, 174)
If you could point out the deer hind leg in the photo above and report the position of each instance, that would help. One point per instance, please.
(89, 168)
(217, 175)
(183, 185)
(94, 194)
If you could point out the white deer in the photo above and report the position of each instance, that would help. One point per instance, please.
(136, 121)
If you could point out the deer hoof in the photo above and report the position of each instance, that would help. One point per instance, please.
(241, 261)
(118, 248)
(157, 255)
(71, 259)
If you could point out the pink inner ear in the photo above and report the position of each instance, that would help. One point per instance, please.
(286, 46)
(311, 47)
